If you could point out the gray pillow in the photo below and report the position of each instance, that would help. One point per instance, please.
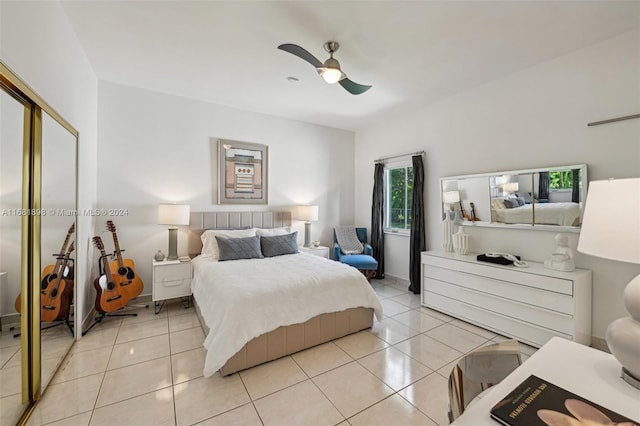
(279, 244)
(239, 248)
(511, 203)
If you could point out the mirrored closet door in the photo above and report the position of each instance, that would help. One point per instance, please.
(38, 157)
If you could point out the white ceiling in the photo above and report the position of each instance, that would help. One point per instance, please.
(413, 53)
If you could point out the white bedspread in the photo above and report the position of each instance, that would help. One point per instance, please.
(243, 299)
(566, 214)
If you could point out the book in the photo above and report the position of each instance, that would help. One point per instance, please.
(538, 402)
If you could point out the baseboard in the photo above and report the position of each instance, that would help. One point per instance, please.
(600, 343)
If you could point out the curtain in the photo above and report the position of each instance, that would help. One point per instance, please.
(543, 186)
(417, 240)
(377, 218)
(575, 191)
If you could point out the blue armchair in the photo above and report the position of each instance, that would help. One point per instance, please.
(364, 262)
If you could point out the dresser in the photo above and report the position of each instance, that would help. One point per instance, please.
(530, 304)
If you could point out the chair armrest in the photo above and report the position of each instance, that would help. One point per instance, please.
(368, 249)
(336, 251)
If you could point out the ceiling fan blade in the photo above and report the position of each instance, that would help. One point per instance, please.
(353, 88)
(294, 49)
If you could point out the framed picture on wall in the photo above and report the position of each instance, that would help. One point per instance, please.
(242, 172)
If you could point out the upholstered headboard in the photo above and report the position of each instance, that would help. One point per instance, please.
(201, 221)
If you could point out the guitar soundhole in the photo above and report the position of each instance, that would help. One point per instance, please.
(122, 270)
(54, 292)
(111, 285)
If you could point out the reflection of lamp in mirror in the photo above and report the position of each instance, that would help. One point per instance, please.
(510, 187)
(450, 198)
(308, 214)
(174, 215)
(615, 234)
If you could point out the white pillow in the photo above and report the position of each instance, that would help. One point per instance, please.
(210, 245)
(272, 232)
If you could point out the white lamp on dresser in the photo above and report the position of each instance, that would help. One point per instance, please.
(612, 231)
(173, 215)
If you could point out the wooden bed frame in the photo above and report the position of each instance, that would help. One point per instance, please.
(284, 340)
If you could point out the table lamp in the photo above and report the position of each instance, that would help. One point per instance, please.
(174, 215)
(612, 231)
(308, 214)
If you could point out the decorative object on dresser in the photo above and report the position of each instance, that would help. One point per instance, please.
(159, 256)
(174, 215)
(562, 258)
(529, 304)
(308, 214)
(242, 172)
(616, 236)
(461, 241)
(447, 233)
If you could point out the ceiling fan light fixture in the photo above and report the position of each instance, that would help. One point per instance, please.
(331, 75)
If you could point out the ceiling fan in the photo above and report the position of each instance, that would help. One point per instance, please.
(329, 70)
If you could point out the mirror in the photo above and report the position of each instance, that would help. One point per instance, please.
(38, 163)
(11, 139)
(57, 242)
(549, 198)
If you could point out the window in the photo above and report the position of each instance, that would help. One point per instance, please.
(398, 196)
(561, 179)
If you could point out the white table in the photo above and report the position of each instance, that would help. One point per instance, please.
(587, 372)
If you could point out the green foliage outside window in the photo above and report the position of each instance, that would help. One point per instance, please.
(561, 179)
(400, 197)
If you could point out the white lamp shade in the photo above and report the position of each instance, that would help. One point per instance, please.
(307, 213)
(511, 187)
(173, 214)
(611, 223)
(450, 197)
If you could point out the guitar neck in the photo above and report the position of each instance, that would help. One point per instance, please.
(117, 247)
(105, 266)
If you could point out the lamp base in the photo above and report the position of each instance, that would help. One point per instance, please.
(307, 234)
(173, 244)
(623, 335)
(628, 377)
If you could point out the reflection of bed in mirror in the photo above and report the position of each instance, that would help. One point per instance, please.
(551, 198)
(259, 309)
(562, 214)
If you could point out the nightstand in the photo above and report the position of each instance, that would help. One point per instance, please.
(321, 251)
(171, 279)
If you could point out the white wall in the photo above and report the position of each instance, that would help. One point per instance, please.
(530, 119)
(156, 148)
(38, 44)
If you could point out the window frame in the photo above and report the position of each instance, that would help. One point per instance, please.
(388, 167)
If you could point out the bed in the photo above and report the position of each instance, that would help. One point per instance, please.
(564, 214)
(257, 310)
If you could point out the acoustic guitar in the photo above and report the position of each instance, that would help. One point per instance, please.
(109, 297)
(49, 272)
(55, 299)
(130, 281)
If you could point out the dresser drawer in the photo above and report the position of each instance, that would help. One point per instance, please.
(543, 298)
(509, 308)
(525, 332)
(511, 274)
(171, 280)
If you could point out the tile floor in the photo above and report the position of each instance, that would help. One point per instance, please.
(147, 370)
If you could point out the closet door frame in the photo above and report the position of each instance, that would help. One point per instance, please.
(34, 105)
